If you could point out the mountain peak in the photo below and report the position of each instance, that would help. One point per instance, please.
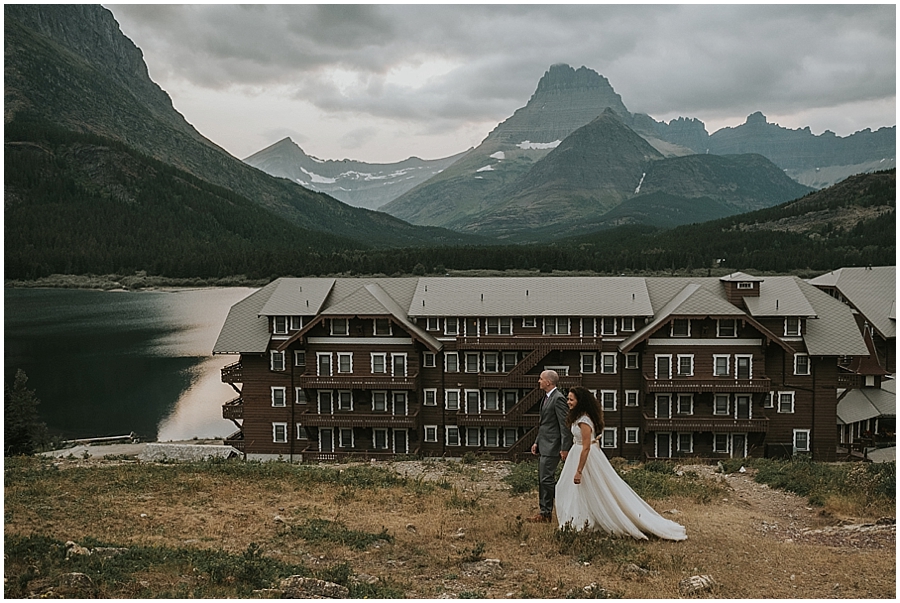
(563, 77)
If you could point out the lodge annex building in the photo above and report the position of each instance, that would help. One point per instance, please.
(439, 366)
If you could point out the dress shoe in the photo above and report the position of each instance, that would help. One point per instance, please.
(539, 519)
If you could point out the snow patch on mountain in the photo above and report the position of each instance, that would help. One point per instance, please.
(527, 144)
(487, 168)
(498, 155)
(317, 178)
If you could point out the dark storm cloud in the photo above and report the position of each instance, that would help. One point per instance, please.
(709, 59)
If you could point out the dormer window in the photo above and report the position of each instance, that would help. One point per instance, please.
(382, 326)
(681, 327)
(745, 285)
(296, 323)
(279, 325)
(340, 326)
(791, 327)
(727, 327)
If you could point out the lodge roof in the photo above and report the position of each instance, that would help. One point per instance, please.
(864, 403)
(871, 290)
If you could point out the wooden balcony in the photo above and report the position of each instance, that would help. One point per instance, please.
(705, 423)
(353, 419)
(716, 385)
(236, 440)
(233, 409)
(233, 373)
(511, 380)
(512, 342)
(350, 381)
(496, 419)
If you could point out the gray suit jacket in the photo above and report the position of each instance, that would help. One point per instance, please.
(553, 435)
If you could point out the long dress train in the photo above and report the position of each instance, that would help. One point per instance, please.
(603, 499)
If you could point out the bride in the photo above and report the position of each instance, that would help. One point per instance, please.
(590, 494)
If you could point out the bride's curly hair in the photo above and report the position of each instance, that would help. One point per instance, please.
(586, 404)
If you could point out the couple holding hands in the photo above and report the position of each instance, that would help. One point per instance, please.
(590, 494)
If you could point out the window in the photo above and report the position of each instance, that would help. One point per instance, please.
(607, 326)
(510, 399)
(498, 326)
(685, 442)
(727, 327)
(429, 360)
(380, 439)
(685, 404)
(473, 436)
(432, 323)
(721, 404)
(299, 395)
(382, 327)
(399, 403)
(555, 325)
(686, 365)
(278, 396)
(473, 402)
(471, 362)
(451, 399)
(296, 323)
(299, 358)
(769, 400)
(379, 363)
(745, 285)
(786, 402)
(628, 323)
(529, 322)
(398, 363)
(663, 366)
(743, 367)
(632, 397)
(801, 440)
(721, 442)
(491, 399)
(588, 362)
(451, 362)
(681, 327)
(792, 327)
(510, 436)
(324, 364)
(801, 364)
(451, 326)
(663, 407)
(279, 433)
(277, 361)
(345, 400)
(345, 362)
(510, 359)
(492, 437)
(302, 433)
(279, 325)
(608, 439)
(588, 327)
(430, 397)
(608, 400)
(325, 402)
(470, 326)
(721, 365)
(379, 401)
(491, 362)
(345, 438)
(631, 360)
(431, 432)
(631, 435)
(609, 363)
(340, 326)
(452, 435)
(742, 407)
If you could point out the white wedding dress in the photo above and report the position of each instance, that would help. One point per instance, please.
(603, 500)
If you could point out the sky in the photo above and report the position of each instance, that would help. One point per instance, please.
(380, 83)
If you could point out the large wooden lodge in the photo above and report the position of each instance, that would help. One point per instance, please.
(684, 367)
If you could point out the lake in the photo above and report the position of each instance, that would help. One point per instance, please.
(107, 363)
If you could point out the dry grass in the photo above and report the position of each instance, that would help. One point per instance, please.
(426, 529)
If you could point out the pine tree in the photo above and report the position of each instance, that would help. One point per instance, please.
(23, 432)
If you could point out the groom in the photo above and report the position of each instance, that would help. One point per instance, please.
(553, 442)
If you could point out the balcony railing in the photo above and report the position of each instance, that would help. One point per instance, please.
(712, 385)
(350, 381)
(233, 409)
(706, 423)
(497, 419)
(512, 342)
(510, 380)
(233, 373)
(236, 440)
(352, 419)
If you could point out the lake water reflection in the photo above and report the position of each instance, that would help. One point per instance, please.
(112, 362)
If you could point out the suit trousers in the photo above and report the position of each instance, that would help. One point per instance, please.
(547, 482)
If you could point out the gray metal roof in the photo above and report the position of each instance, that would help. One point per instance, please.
(531, 296)
(741, 277)
(779, 296)
(872, 291)
(866, 403)
(834, 331)
(359, 303)
(400, 315)
(244, 330)
(663, 315)
(297, 296)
